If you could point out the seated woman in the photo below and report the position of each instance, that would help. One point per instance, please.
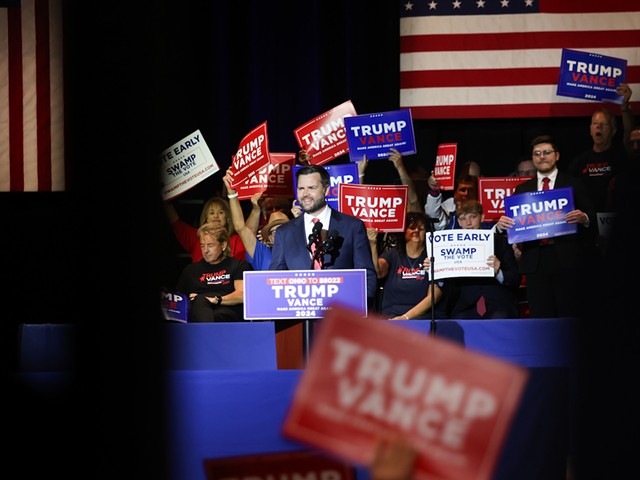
(407, 289)
(214, 284)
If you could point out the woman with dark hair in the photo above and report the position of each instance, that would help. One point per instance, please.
(407, 289)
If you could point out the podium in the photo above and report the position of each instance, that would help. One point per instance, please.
(295, 298)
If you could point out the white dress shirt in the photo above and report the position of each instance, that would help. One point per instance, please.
(552, 179)
(324, 216)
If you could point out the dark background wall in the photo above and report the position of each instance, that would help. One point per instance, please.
(137, 79)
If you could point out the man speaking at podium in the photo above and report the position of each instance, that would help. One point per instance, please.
(322, 238)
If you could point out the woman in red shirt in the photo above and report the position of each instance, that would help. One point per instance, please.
(215, 211)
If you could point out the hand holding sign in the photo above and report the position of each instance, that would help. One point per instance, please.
(323, 138)
(540, 214)
(252, 154)
(185, 164)
(394, 458)
(445, 167)
(374, 134)
(274, 179)
(366, 379)
(591, 76)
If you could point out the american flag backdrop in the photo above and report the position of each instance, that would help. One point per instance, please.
(31, 96)
(501, 58)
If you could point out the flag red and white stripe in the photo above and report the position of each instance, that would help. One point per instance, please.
(501, 58)
(31, 97)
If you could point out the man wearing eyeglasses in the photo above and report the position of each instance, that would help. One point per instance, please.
(555, 267)
(597, 166)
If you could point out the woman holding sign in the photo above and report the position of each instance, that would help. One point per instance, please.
(407, 281)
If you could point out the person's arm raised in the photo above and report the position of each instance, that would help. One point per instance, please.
(393, 458)
(253, 220)
(628, 120)
(172, 213)
(237, 217)
(380, 264)
(413, 204)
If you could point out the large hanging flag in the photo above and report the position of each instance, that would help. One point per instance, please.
(31, 96)
(501, 58)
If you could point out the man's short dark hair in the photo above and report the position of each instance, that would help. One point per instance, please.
(544, 139)
(325, 178)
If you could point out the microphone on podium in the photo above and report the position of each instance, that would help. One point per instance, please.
(314, 236)
(330, 243)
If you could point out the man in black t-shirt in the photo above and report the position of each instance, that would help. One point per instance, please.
(605, 159)
(215, 283)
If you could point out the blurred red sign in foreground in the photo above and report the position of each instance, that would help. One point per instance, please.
(367, 376)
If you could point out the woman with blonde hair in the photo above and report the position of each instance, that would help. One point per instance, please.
(215, 211)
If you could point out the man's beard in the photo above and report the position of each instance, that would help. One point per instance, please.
(316, 205)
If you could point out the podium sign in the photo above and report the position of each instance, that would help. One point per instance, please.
(291, 294)
(175, 307)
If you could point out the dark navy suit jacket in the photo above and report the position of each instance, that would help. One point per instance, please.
(290, 250)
